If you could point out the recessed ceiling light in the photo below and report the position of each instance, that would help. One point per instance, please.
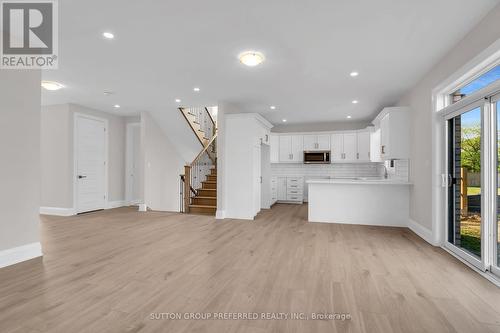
(354, 74)
(51, 85)
(196, 89)
(251, 58)
(272, 107)
(355, 102)
(108, 35)
(284, 120)
(349, 117)
(177, 100)
(116, 106)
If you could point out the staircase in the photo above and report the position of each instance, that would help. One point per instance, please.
(199, 182)
(205, 200)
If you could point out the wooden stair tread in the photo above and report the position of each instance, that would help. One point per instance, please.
(201, 206)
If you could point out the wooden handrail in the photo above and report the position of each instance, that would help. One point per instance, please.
(181, 109)
(204, 149)
(210, 116)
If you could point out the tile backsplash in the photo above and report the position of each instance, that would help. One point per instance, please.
(341, 170)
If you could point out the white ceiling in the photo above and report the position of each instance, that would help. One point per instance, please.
(163, 49)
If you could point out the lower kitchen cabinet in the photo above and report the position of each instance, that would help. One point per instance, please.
(290, 189)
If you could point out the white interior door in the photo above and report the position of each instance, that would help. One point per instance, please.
(133, 162)
(90, 164)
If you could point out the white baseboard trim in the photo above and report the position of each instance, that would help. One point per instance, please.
(421, 231)
(19, 254)
(116, 204)
(57, 211)
(220, 215)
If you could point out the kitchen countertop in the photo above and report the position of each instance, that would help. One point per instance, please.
(358, 181)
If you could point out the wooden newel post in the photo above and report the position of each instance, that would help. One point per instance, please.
(187, 188)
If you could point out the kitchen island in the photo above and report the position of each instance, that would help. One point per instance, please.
(381, 202)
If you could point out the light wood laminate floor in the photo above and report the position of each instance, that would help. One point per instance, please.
(108, 271)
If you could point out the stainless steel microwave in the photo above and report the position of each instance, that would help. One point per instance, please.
(317, 157)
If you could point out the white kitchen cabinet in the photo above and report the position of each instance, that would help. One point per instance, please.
(350, 147)
(344, 147)
(363, 146)
(291, 149)
(310, 142)
(274, 190)
(275, 148)
(285, 148)
(375, 146)
(297, 149)
(282, 188)
(316, 142)
(394, 133)
(337, 153)
(324, 142)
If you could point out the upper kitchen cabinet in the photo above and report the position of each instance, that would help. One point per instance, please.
(394, 126)
(363, 145)
(317, 142)
(275, 148)
(291, 149)
(350, 147)
(375, 146)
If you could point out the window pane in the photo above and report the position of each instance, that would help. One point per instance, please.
(465, 193)
(484, 80)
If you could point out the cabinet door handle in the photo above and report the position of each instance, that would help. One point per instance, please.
(357, 156)
(383, 149)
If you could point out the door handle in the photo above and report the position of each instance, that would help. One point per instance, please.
(80, 176)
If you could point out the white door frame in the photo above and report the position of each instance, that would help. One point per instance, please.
(128, 155)
(76, 116)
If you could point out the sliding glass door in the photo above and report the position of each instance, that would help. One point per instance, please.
(473, 183)
(465, 187)
(495, 239)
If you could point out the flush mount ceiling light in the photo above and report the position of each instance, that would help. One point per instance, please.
(51, 85)
(177, 100)
(272, 107)
(108, 35)
(116, 106)
(251, 58)
(354, 74)
(349, 117)
(355, 102)
(196, 89)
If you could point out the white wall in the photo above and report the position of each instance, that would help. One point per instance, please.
(56, 157)
(162, 166)
(420, 101)
(56, 141)
(20, 167)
